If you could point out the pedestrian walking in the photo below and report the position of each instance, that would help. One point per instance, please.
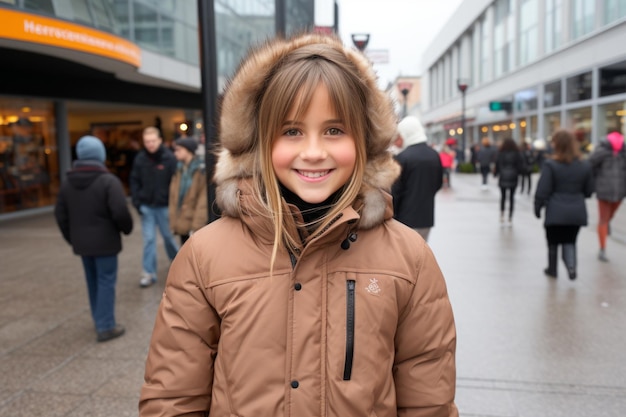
(91, 212)
(150, 178)
(335, 300)
(528, 159)
(564, 184)
(608, 163)
(486, 157)
(447, 159)
(420, 178)
(188, 191)
(509, 166)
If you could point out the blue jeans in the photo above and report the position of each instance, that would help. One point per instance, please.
(101, 276)
(151, 217)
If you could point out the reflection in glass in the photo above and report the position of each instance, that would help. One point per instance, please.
(552, 94)
(580, 122)
(579, 87)
(551, 123)
(613, 79)
(146, 26)
(612, 118)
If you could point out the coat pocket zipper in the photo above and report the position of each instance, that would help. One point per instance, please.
(350, 299)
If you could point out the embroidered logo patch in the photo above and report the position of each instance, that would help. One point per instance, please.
(373, 288)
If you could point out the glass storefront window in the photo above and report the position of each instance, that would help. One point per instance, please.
(41, 6)
(551, 123)
(526, 100)
(583, 15)
(613, 79)
(146, 26)
(29, 172)
(579, 87)
(614, 10)
(553, 17)
(612, 118)
(580, 122)
(552, 94)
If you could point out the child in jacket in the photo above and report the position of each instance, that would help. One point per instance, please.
(306, 298)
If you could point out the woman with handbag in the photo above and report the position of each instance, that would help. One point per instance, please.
(565, 182)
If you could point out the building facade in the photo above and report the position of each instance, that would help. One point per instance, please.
(109, 68)
(529, 67)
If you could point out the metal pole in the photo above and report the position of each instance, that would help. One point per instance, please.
(462, 158)
(64, 147)
(279, 6)
(208, 76)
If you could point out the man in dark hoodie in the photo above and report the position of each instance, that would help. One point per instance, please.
(150, 178)
(91, 211)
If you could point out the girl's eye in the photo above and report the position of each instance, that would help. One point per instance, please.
(291, 132)
(333, 131)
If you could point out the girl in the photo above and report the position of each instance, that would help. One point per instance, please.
(306, 298)
(564, 184)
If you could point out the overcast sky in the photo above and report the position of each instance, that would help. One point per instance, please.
(403, 27)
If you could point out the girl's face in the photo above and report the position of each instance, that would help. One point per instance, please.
(314, 156)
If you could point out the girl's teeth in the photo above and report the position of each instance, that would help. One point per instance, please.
(313, 174)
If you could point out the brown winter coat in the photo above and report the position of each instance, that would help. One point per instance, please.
(192, 214)
(364, 330)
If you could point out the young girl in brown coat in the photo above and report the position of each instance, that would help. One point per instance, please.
(306, 298)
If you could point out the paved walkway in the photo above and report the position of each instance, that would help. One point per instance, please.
(528, 346)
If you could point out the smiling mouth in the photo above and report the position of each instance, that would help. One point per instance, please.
(313, 174)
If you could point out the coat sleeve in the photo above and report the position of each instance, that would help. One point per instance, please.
(118, 207)
(544, 188)
(178, 378)
(200, 212)
(424, 368)
(61, 215)
(589, 184)
(135, 182)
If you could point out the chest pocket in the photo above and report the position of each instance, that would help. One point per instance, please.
(362, 321)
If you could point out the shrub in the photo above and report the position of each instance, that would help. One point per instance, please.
(466, 168)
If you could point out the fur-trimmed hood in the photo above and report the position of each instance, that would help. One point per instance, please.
(238, 124)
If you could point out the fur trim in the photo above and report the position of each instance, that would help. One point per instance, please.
(237, 127)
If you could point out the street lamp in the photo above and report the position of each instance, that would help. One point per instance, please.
(405, 89)
(360, 40)
(462, 85)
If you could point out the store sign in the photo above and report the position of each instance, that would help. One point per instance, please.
(49, 31)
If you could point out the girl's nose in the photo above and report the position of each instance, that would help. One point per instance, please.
(313, 149)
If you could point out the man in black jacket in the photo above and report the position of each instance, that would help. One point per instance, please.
(421, 178)
(91, 212)
(150, 178)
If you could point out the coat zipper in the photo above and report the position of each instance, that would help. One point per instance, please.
(350, 298)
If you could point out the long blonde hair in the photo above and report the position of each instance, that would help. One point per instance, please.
(291, 85)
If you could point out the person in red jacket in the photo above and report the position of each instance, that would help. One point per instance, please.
(447, 157)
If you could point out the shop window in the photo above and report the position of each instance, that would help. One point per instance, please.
(579, 87)
(551, 123)
(526, 100)
(613, 79)
(579, 121)
(28, 157)
(146, 26)
(41, 6)
(552, 94)
(612, 118)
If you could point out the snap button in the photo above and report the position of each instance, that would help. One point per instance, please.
(294, 384)
(298, 286)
